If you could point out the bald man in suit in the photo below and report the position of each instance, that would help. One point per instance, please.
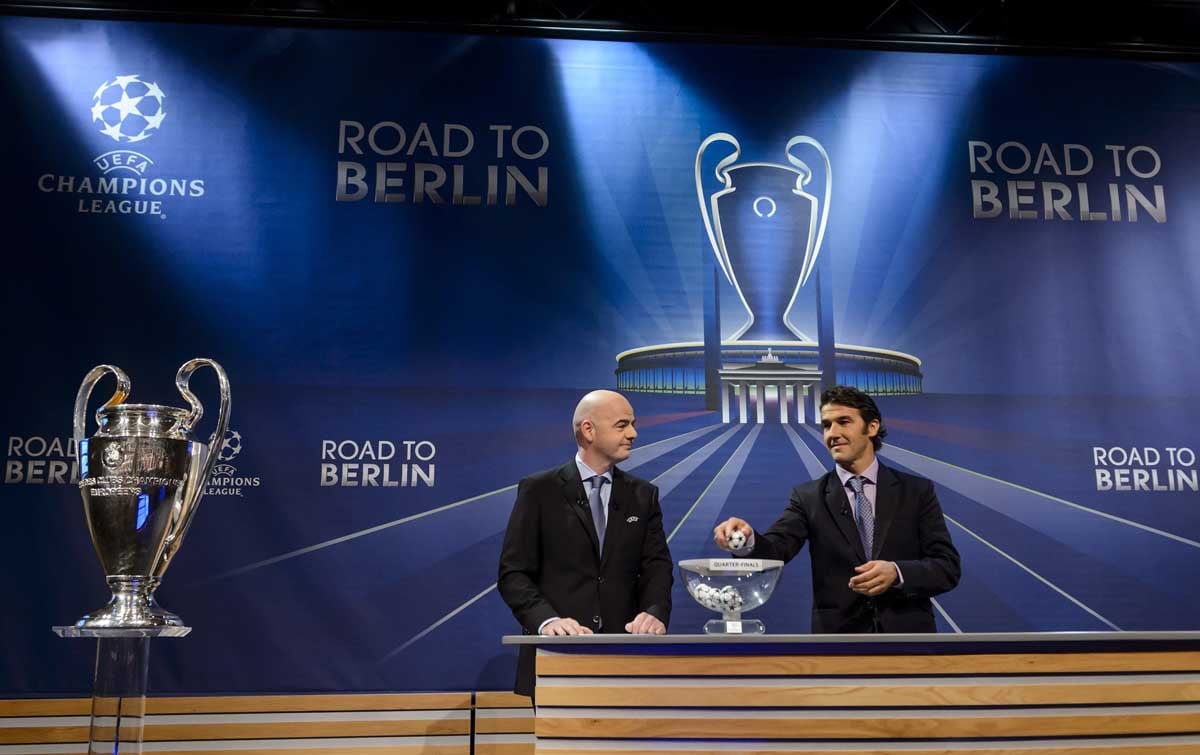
(585, 551)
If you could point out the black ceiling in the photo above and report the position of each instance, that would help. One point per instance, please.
(1141, 28)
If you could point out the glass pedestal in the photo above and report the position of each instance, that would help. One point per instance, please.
(119, 685)
(733, 623)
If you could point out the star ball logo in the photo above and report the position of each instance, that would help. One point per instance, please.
(128, 109)
(232, 446)
(225, 479)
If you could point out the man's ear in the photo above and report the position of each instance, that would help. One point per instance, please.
(872, 428)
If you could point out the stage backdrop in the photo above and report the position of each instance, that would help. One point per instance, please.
(413, 252)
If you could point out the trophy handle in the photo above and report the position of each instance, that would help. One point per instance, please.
(814, 248)
(85, 393)
(180, 522)
(723, 176)
(182, 378)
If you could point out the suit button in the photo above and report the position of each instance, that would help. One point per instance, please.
(596, 620)
(600, 580)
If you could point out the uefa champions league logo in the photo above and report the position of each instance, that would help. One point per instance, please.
(226, 480)
(128, 109)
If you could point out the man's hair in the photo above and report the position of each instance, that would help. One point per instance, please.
(582, 412)
(845, 395)
(584, 409)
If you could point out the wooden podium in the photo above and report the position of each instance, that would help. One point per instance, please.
(1120, 693)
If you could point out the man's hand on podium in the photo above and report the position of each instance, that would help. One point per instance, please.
(644, 623)
(563, 628)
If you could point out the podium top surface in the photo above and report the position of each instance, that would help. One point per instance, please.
(850, 641)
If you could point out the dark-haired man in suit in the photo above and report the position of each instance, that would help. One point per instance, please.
(877, 538)
(584, 551)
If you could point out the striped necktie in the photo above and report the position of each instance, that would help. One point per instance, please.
(597, 504)
(864, 516)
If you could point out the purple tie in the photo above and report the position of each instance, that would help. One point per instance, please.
(863, 515)
(597, 504)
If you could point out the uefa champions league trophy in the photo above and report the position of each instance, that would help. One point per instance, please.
(141, 477)
(763, 227)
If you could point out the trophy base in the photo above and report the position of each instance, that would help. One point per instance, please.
(132, 607)
(108, 633)
(734, 626)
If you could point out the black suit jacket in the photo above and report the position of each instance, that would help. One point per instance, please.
(549, 565)
(909, 529)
